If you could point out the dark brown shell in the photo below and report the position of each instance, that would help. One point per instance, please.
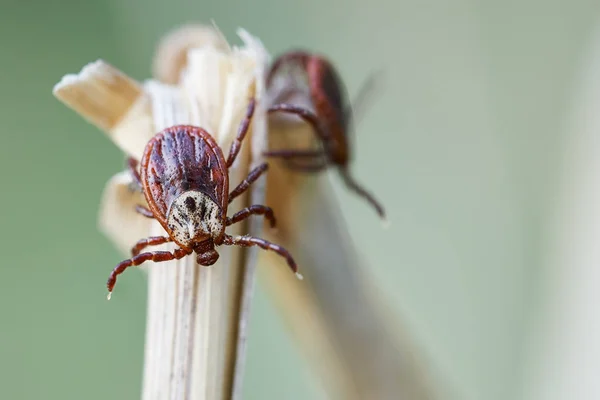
(326, 89)
(182, 158)
(327, 93)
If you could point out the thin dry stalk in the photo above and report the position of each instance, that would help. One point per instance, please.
(192, 341)
(359, 351)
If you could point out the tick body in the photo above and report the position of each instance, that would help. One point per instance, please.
(330, 119)
(185, 179)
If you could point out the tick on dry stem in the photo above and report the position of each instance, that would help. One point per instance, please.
(185, 179)
(330, 120)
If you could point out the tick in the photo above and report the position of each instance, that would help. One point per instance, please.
(330, 120)
(185, 179)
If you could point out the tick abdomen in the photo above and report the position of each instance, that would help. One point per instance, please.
(178, 162)
(184, 183)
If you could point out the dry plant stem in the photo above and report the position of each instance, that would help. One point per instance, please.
(172, 51)
(257, 196)
(100, 93)
(191, 308)
(110, 100)
(359, 351)
(193, 311)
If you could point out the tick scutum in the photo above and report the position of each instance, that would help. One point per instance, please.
(189, 226)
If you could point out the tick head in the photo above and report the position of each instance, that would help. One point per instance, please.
(205, 252)
(195, 217)
(208, 257)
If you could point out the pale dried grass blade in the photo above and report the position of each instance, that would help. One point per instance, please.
(259, 143)
(357, 350)
(111, 101)
(100, 93)
(193, 312)
(171, 55)
(118, 199)
(207, 313)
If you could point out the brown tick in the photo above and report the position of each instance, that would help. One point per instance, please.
(185, 179)
(330, 120)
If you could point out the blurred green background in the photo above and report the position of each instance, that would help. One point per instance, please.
(462, 147)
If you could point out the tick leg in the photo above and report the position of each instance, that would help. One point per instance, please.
(247, 241)
(352, 184)
(133, 169)
(286, 154)
(144, 211)
(301, 160)
(303, 113)
(157, 256)
(151, 241)
(305, 167)
(132, 164)
(237, 143)
(253, 210)
(308, 165)
(251, 178)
